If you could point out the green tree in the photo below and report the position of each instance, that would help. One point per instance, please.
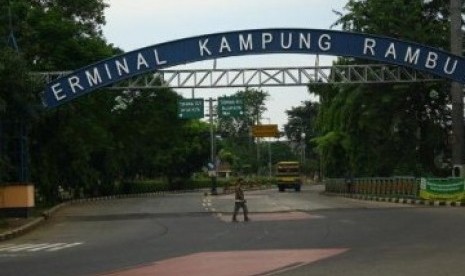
(89, 145)
(236, 132)
(56, 35)
(281, 151)
(301, 130)
(301, 120)
(254, 106)
(420, 21)
(386, 129)
(156, 143)
(17, 111)
(65, 35)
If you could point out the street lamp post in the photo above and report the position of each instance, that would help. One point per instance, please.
(301, 145)
(214, 169)
(269, 152)
(269, 159)
(302, 141)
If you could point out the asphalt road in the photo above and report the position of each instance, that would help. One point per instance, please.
(290, 234)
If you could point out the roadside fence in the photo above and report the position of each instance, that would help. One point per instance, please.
(406, 187)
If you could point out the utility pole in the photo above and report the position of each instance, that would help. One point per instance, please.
(212, 148)
(458, 157)
(258, 146)
(269, 152)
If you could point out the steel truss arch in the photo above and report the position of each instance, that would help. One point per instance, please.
(267, 77)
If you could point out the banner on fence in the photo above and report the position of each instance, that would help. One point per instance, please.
(442, 189)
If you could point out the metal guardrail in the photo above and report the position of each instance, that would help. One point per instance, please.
(387, 187)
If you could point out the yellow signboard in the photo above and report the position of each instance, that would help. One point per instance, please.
(265, 131)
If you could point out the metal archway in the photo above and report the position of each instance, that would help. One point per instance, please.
(253, 42)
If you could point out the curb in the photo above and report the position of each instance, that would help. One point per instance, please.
(22, 229)
(401, 200)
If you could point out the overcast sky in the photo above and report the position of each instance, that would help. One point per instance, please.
(133, 24)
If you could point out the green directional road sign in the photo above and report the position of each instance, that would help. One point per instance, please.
(230, 107)
(190, 108)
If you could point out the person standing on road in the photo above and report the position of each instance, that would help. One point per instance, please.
(240, 201)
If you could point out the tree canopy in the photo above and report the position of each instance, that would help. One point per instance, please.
(386, 129)
(91, 145)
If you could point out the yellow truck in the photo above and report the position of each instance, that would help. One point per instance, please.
(288, 175)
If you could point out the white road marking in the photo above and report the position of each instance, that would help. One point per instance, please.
(30, 247)
(25, 247)
(5, 246)
(51, 245)
(207, 203)
(64, 246)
